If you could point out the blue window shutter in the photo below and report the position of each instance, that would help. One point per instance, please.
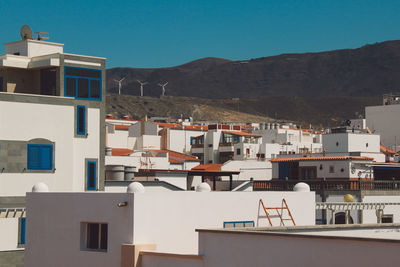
(22, 231)
(40, 157)
(33, 157)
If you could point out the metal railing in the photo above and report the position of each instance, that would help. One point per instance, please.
(327, 185)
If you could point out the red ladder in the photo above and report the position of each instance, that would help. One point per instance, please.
(280, 211)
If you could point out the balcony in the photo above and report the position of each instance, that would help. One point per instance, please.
(318, 185)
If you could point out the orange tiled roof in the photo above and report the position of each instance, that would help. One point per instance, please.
(178, 126)
(320, 158)
(241, 133)
(121, 127)
(176, 157)
(208, 167)
(386, 150)
(121, 151)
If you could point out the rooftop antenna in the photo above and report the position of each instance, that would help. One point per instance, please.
(163, 87)
(141, 86)
(119, 84)
(26, 32)
(41, 37)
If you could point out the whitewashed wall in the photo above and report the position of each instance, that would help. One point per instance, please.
(24, 121)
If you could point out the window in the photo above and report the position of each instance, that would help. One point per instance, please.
(81, 120)
(40, 157)
(235, 224)
(1, 84)
(91, 175)
(95, 236)
(387, 218)
(366, 144)
(331, 169)
(247, 151)
(337, 143)
(82, 83)
(238, 151)
(22, 227)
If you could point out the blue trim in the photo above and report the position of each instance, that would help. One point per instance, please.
(82, 77)
(238, 223)
(40, 157)
(78, 120)
(22, 231)
(90, 188)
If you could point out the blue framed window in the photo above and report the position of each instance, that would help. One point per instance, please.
(91, 175)
(235, 224)
(22, 227)
(40, 157)
(80, 120)
(82, 83)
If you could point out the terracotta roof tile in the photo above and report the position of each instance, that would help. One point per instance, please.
(241, 133)
(121, 127)
(121, 151)
(175, 157)
(208, 167)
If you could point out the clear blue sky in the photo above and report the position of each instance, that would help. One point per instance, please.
(152, 33)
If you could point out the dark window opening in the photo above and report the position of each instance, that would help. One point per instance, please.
(70, 89)
(387, 218)
(81, 120)
(48, 81)
(94, 89)
(91, 175)
(88, 73)
(1, 84)
(96, 236)
(83, 88)
(238, 151)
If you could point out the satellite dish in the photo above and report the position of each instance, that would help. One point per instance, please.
(26, 32)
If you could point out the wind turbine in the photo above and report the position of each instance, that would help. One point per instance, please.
(119, 84)
(163, 87)
(141, 86)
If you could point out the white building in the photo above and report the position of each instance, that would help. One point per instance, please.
(109, 229)
(51, 127)
(383, 120)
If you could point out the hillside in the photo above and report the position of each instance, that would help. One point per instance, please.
(317, 111)
(368, 71)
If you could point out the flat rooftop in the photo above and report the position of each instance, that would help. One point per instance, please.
(388, 232)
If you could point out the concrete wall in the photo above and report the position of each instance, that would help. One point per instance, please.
(383, 120)
(230, 249)
(9, 234)
(12, 258)
(175, 215)
(118, 139)
(54, 228)
(167, 220)
(26, 121)
(351, 142)
(369, 216)
(256, 169)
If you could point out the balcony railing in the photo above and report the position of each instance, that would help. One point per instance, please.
(327, 185)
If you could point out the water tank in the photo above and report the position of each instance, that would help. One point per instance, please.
(396, 158)
(301, 187)
(135, 187)
(115, 172)
(203, 187)
(129, 173)
(40, 187)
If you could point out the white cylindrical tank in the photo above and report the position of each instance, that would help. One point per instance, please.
(40, 187)
(301, 187)
(129, 173)
(115, 172)
(203, 187)
(135, 187)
